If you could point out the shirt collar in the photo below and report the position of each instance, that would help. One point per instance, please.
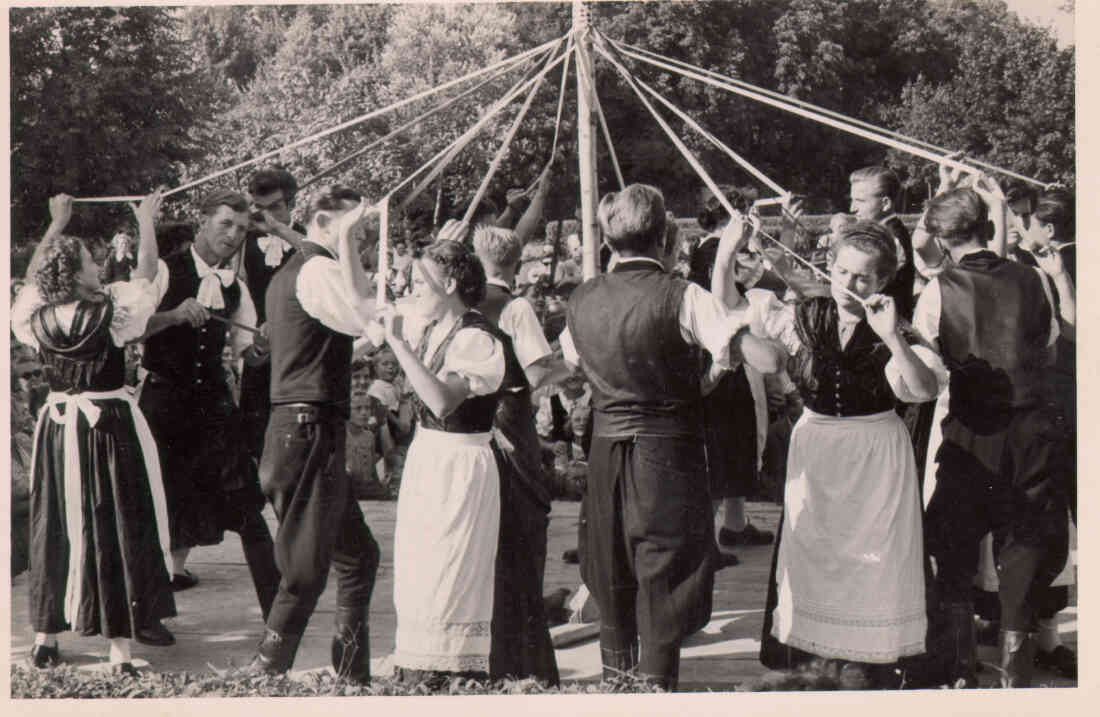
(638, 259)
(499, 282)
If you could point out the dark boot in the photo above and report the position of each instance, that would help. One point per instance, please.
(351, 645)
(618, 662)
(668, 665)
(1017, 658)
(962, 646)
(276, 652)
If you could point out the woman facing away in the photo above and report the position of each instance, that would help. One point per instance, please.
(448, 512)
(847, 579)
(99, 531)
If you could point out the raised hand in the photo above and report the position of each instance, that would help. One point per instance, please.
(737, 232)
(950, 177)
(882, 315)
(1050, 261)
(453, 230)
(61, 209)
(149, 209)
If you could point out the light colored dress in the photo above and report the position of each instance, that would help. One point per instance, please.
(849, 570)
(448, 519)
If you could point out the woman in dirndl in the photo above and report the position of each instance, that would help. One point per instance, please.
(99, 530)
(847, 582)
(448, 511)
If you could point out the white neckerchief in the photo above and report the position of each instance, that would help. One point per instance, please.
(273, 248)
(211, 282)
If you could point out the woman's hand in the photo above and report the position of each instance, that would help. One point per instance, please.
(882, 315)
(61, 210)
(149, 209)
(1050, 261)
(392, 322)
(950, 177)
(737, 232)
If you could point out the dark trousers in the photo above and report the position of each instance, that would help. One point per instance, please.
(647, 548)
(1012, 482)
(320, 524)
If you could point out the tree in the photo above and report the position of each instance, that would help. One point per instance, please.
(103, 102)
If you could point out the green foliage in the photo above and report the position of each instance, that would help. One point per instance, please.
(68, 682)
(102, 102)
(139, 96)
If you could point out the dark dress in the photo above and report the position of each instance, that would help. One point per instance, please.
(123, 580)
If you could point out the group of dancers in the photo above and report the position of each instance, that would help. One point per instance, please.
(123, 488)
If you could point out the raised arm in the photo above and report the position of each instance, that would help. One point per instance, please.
(1051, 263)
(61, 211)
(531, 218)
(359, 287)
(146, 214)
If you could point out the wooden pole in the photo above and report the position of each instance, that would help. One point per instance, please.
(586, 141)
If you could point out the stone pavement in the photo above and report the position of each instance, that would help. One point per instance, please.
(219, 624)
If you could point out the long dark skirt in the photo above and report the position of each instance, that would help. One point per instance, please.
(124, 579)
(729, 417)
(209, 477)
(520, 644)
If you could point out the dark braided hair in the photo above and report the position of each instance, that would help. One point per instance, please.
(870, 238)
(60, 264)
(462, 265)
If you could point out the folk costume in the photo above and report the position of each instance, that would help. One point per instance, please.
(303, 470)
(264, 255)
(847, 576)
(900, 288)
(448, 511)
(98, 518)
(520, 645)
(646, 545)
(209, 480)
(1004, 463)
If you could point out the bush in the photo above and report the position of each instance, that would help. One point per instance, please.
(66, 681)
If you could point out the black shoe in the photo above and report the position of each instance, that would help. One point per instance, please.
(726, 560)
(43, 656)
(156, 635)
(571, 556)
(1061, 660)
(751, 535)
(183, 581)
(121, 669)
(275, 654)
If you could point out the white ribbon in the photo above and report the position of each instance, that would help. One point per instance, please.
(273, 248)
(211, 282)
(73, 499)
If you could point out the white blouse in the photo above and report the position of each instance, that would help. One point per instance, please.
(473, 354)
(134, 303)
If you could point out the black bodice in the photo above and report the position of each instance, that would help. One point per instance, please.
(835, 381)
(83, 357)
(475, 414)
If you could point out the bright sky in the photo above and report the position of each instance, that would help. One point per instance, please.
(1047, 13)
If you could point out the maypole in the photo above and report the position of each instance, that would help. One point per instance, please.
(586, 139)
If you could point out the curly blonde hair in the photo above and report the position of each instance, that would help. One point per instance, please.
(61, 263)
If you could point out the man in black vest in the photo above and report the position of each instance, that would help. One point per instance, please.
(316, 305)
(1003, 462)
(874, 193)
(270, 243)
(210, 484)
(647, 543)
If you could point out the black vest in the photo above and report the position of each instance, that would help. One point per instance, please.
(310, 363)
(900, 288)
(84, 357)
(994, 330)
(644, 376)
(475, 414)
(181, 354)
(259, 273)
(834, 381)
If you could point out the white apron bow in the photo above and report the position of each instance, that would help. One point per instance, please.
(74, 405)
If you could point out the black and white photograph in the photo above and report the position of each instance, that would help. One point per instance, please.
(483, 349)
